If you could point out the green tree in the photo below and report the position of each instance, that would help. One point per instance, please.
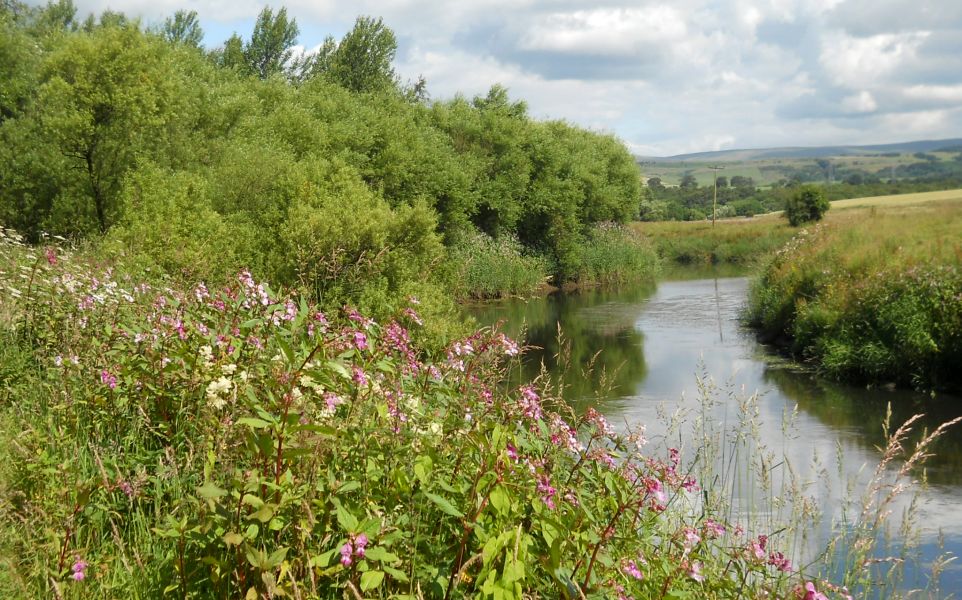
(362, 61)
(105, 99)
(688, 182)
(183, 28)
(270, 47)
(806, 205)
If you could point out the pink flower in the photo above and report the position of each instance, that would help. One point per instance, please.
(757, 548)
(51, 255)
(360, 340)
(109, 379)
(346, 551)
(79, 570)
(694, 571)
(813, 594)
(654, 488)
(714, 529)
(360, 378)
(778, 560)
(360, 543)
(691, 537)
(632, 569)
(530, 403)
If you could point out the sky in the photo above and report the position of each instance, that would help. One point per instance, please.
(666, 76)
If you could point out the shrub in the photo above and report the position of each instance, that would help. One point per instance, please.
(808, 204)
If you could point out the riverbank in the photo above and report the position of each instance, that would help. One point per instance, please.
(872, 294)
(242, 442)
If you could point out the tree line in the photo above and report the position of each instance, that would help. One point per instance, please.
(324, 169)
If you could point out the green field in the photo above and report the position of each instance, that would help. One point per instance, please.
(751, 240)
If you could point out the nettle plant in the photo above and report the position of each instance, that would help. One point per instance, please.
(239, 443)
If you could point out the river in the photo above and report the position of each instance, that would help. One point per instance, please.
(648, 346)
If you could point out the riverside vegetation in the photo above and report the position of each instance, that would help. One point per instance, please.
(872, 295)
(323, 172)
(241, 442)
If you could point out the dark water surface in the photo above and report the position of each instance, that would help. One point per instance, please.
(636, 354)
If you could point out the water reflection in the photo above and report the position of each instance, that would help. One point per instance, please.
(652, 343)
(598, 339)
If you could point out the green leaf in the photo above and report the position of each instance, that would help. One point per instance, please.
(277, 557)
(395, 573)
(500, 500)
(378, 553)
(323, 560)
(348, 486)
(345, 519)
(444, 505)
(338, 368)
(233, 539)
(253, 423)
(371, 580)
(210, 491)
(422, 468)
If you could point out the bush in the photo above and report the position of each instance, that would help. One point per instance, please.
(807, 205)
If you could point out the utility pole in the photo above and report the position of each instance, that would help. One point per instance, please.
(714, 202)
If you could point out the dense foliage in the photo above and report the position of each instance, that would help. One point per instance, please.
(323, 171)
(807, 205)
(878, 300)
(240, 443)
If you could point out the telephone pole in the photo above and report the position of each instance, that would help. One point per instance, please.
(714, 202)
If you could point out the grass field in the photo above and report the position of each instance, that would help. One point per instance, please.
(899, 200)
(748, 241)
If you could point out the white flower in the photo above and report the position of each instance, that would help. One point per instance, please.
(228, 369)
(207, 355)
(216, 390)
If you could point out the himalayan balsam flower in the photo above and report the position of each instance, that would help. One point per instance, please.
(632, 569)
(79, 570)
(694, 571)
(780, 562)
(109, 379)
(360, 340)
(714, 529)
(813, 594)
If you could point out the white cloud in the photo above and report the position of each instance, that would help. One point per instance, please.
(940, 93)
(860, 103)
(860, 61)
(606, 31)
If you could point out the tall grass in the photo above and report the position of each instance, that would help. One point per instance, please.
(614, 254)
(737, 241)
(482, 267)
(877, 298)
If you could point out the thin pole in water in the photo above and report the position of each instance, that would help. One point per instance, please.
(714, 202)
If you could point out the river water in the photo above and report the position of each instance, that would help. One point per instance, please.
(638, 354)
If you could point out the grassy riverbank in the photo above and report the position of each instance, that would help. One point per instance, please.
(735, 241)
(241, 443)
(873, 294)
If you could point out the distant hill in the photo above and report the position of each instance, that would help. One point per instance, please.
(809, 152)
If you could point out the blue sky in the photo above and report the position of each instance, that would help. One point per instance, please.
(666, 76)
